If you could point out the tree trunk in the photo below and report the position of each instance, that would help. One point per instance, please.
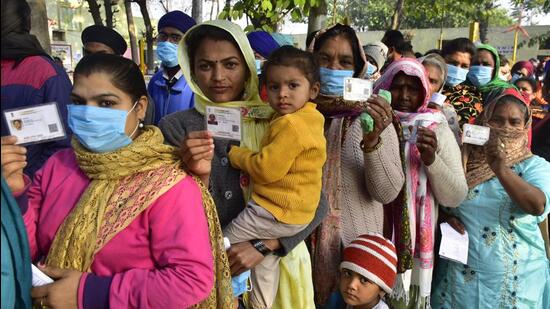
(131, 31)
(39, 23)
(211, 9)
(396, 18)
(196, 12)
(484, 22)
(227, 8)
(148, 35)
(317, 17)
(94, 10)
(108, 13)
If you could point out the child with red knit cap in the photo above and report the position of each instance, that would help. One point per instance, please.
(368, 272)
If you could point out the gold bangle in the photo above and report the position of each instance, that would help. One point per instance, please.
(371, 149)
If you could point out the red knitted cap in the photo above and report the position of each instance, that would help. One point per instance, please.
(373, 257)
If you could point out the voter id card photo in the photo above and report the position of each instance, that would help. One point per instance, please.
(224, 122)
(35, 124)
(357, 89)
(476, 135)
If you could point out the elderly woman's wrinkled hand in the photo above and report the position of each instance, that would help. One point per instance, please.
(60, 294)
(380, 110)
(14, 159)
(426, 143)
(197, 151)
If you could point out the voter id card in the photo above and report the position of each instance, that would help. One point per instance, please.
(414, 134)
(35, 124)
(224, 122)
(357, 89)
(474, 134)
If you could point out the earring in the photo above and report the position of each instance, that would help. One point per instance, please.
(141, 125)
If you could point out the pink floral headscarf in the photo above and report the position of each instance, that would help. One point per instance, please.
(410, 67)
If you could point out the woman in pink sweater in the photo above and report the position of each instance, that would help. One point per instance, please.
(119, 223)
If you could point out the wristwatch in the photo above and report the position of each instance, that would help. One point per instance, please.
(261, 247)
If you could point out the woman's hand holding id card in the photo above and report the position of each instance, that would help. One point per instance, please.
(224, 122)
(475, 135)
(35, 124)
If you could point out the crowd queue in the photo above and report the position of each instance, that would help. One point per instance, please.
(141, 207)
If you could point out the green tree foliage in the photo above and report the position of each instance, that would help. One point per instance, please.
(267, 14)
(418, 14)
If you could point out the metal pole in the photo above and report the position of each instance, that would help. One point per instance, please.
(142, 56)
(515, 46)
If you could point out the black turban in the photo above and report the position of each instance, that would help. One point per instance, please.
(105, 35)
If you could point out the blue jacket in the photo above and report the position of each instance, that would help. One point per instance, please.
(169, 100)
(36, 80)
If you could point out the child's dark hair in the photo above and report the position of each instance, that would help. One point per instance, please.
(392, 38)
(125, 74)
(195, 38)
(293, 57)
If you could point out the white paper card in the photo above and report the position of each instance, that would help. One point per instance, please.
(414, 134)
(357, 89)
(39, 278)
(476, 135)
(454, 246)
(224, 122)
(438, 98)
(35, 124)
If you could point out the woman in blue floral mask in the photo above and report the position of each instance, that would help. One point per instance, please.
(363, 170)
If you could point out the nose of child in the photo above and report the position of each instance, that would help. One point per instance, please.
(352, 285)
(283, 93)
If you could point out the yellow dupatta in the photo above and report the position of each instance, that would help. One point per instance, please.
(134, 176)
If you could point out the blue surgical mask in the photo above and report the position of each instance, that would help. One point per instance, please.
(515, 77)
(99, 129)
(239, 283)
(371, 69)
(332, 81)
(167, 53)
(480, 75)
(455, 75)
(258, 66)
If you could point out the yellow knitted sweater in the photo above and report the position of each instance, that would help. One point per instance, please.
(287, 171)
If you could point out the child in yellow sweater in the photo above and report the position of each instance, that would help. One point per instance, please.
(287, 172)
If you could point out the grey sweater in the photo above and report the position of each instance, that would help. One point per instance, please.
(224, 179)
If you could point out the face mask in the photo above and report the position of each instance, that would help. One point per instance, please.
(258, 66)
(371, 69)
(332, 81)
(514, 78)
(480, 75)
(99, 129)
(503, 77)
(455, 75)
(239, 283)
(168, 54)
